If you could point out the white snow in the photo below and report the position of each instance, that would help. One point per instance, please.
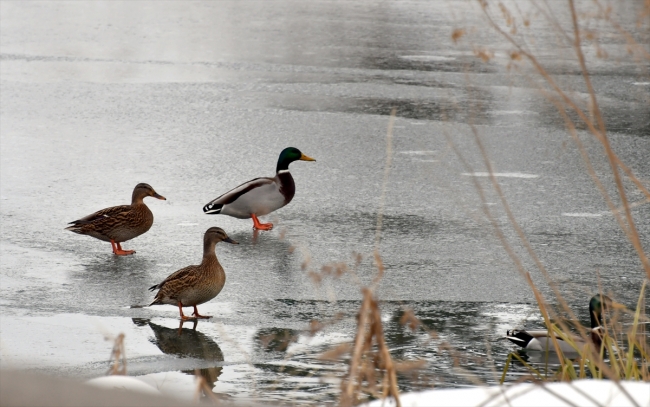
(124, 383)
(603, 393)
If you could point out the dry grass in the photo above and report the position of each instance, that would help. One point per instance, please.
(629, 363)
(372, 369)
(118, 357)
(624, 353)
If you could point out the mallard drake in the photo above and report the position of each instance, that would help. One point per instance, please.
(118, 224)
(194, 285)
(540, 340)
(260, 196)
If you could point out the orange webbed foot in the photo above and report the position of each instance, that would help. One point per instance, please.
(122, 252)
(260, 226)
(117, 249)
(197, 315)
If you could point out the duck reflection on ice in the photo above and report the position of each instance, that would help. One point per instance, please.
(276, 339)
(187, 343)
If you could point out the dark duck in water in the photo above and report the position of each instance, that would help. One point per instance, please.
(540, 340)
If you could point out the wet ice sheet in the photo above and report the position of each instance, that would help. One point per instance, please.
(197, 99)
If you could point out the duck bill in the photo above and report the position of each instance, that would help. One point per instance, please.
(229, 240)
(156, 195)
(306, 158)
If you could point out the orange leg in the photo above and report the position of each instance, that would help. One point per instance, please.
(260, 226)
(183, 317)
(117, 249)
(197, 315)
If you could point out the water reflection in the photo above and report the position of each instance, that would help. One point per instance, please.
(112, 282)
(188, 343)
(428, 63)
(459, 108)
(267, 257)
(550, 359)
(276, 339)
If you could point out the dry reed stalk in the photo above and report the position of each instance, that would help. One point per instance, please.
(203, 388)
(636, 240)
(365, 361)
(594, 357)
(384, 187)
(370, 354)
(597, 129)
(118, 357)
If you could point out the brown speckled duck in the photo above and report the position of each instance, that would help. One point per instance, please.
(194, 285)
(118, 224)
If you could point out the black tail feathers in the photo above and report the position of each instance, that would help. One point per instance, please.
(212, 209)
(519, 337)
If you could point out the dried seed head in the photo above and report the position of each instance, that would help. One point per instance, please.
(316, 278)
(457, 34)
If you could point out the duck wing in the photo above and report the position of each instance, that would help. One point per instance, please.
(102, 214)
(231, 196)
(540, 333)
(541, 341)
(177, 276)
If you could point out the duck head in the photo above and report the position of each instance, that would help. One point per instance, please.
(215, 235)
(597, 305)
(289, 155)
(142, 191)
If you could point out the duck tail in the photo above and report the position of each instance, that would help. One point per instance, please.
(158, 298)
(519, 337)
(76, 228)
(212, 208)
(153, 287)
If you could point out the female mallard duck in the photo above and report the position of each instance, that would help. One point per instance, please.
(194, 285)
(260, 196)
(540, 340)
(118, 224)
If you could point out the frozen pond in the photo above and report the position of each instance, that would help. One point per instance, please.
(196, 98)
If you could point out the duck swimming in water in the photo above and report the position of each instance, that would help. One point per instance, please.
(260, 196)
(540, 340)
